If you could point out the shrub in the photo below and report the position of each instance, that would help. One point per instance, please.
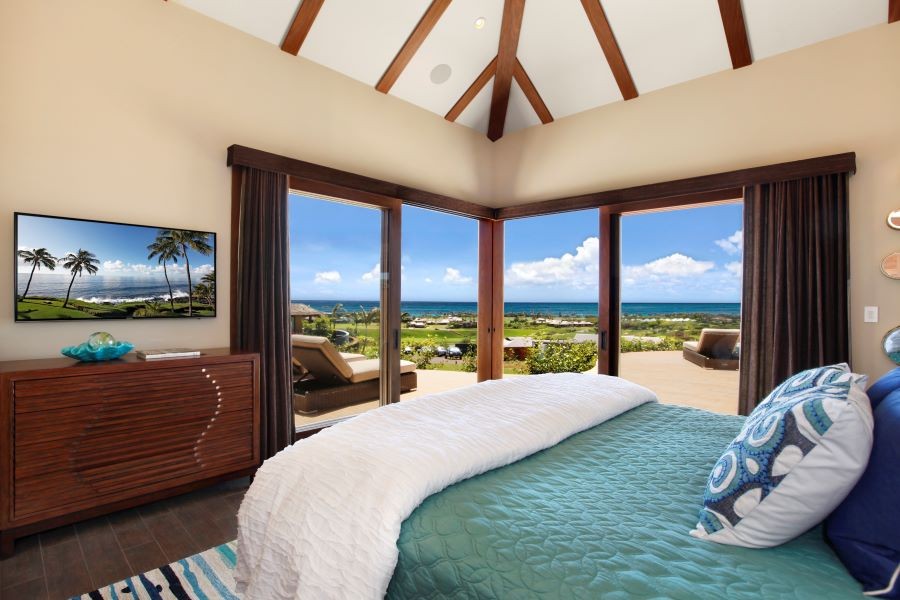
(470, 362)
(426, 352)
(562, 358)
(667, 343)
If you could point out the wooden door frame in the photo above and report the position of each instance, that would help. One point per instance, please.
(490, 299)
(610, 302)
(704, 189)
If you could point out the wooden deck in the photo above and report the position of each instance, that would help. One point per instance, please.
(675, 381)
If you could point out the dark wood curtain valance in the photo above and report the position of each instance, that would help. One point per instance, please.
(794, 313)
(249, 157)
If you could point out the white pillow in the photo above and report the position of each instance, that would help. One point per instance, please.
(797, 457)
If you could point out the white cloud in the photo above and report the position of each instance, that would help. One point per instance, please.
(119, 267)
(373, 275)
(733, 244)
(327, 277)
(202, 270)
(674, 266)
(113, 265)
(428, 280)
(735, 268)
(453, 276)
(577, 270)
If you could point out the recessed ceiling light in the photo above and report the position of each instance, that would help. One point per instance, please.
(441, 73)
(479, 23)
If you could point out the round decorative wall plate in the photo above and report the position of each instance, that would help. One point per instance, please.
(893, 219)
(890, 266)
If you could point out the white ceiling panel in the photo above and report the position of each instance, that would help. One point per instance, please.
(776, 26)
(456, 42)
(478, 112)
(267, 20)
(519, 114)
(561, 55)
(666, 42)
(360, 39)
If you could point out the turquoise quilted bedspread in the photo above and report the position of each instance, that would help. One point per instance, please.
(604, 514)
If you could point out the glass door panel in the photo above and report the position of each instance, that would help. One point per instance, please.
(550, 294)
(680, 318)
(337, 308)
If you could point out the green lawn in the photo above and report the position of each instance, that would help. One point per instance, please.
(39, 308)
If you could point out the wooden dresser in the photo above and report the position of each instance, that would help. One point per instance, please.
(81, 439)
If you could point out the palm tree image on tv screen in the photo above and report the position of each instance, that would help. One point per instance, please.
(77, 269)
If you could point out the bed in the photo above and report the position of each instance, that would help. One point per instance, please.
(560, 486)
(604, 513)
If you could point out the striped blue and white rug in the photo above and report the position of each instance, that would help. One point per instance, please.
(204, 576)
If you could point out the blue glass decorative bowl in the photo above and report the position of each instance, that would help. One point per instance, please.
(86, 353)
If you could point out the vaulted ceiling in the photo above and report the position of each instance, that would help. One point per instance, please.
(503, 65)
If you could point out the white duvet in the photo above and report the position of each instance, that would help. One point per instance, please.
(322, 517)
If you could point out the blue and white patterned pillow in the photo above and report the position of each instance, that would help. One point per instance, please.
(797, 456)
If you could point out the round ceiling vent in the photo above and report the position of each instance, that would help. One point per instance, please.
(441, 73)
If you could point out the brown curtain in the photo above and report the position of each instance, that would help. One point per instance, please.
(263, 300)
(795, 292)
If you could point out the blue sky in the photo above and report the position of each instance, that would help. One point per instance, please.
(121, 249)
(686, 255)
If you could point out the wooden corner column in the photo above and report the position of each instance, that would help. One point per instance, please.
(490, 299)
(610, 302)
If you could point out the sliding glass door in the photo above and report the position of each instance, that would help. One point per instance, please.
(550, 294)
(680, 286)
(342, 298)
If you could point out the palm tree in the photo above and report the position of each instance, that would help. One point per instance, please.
(210, 280)
(336, 311)
(78, 263)
(151, 308)
(196, 241)
(369, 316)
(357, 317)
(165, 249)
(204, 293)
(37, 258)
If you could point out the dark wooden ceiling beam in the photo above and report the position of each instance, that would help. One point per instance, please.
(894, 11)
(412, 44)
(610, 47)
(735, 32)
(537, 103)
(513, 10)
(303, 22)
(473, 90)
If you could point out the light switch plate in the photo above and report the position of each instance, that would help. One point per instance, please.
(870, 314)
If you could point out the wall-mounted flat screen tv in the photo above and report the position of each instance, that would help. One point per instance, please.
(68, 269)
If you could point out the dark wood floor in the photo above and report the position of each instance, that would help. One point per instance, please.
(79, 558)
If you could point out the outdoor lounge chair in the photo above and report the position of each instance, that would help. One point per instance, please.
(333, 379)
(716, 349)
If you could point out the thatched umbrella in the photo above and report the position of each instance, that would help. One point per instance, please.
(302, 312)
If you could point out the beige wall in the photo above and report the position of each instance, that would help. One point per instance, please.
(122, 111)
(838, 96)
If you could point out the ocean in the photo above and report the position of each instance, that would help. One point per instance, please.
(556, 309)
(106, 288)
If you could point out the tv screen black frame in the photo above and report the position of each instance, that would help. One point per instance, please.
(126, 317)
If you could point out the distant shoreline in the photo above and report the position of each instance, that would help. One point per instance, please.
(423, 308)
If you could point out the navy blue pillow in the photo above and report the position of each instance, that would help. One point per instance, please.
(888, 383)
(865, 529)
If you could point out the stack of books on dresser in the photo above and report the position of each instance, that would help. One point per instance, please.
(167, 353)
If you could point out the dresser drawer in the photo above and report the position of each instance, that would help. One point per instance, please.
(82, 440)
